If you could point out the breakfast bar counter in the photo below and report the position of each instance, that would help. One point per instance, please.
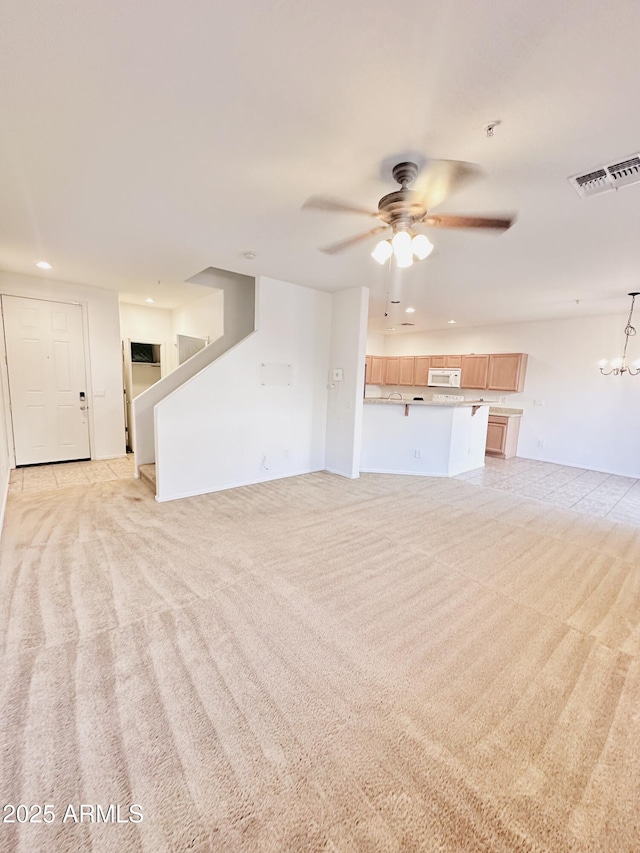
(426, 437)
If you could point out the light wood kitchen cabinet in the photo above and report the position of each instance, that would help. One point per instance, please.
(507, 371)
(407, 370)
(475, 371)
(446, 361)
(503, 371)
(421, 370)
(392, 370)
(502, 436)
(375, 370)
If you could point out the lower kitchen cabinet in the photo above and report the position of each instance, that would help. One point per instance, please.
(502, 436)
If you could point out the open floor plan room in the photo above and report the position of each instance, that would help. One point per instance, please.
(317, 663)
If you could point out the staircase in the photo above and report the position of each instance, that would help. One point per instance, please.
(148, 476)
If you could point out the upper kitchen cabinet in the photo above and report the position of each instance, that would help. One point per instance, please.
(446, 361)
(392, 370)
(375, 370)
(421, 370)
(407, 370)
(475, 371)
(506, 371)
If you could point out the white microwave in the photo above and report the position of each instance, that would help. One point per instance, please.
(444, 378)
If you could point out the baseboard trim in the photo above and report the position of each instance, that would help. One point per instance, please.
(403, 473)
(105, 458)
(342, 474)
(180, 496)
(582, 467)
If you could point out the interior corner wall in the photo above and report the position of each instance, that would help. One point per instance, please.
(202, 318)
(583, 419)
(4, 456)
(230, 425)
(104, 364)
(348, 351)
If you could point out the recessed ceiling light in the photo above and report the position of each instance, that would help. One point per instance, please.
(391, 328)
(451, 321)
(410, 310)
(44, 265)
(250, 256)
(149, 299)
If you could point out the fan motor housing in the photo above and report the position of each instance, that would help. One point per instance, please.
(401, 207)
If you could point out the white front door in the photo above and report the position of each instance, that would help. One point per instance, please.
(47, 380)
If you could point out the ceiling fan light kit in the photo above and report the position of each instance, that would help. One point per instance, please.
(405, 210)
(619, 366)
(418, 246)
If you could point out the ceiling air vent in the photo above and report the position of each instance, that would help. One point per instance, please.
(625, 173)
(607, 178)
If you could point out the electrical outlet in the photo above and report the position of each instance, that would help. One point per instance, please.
(538, 403)
(286, 453)
(417, 454)
(541, 442)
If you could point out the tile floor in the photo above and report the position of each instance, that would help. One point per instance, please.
(617, 498)
(605, 495)
(43, 478)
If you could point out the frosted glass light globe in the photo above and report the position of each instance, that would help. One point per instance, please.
(382, 251)
(421, 246)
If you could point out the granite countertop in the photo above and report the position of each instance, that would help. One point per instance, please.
(505, 411)
(445, 403)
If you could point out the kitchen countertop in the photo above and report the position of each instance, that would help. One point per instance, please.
(505, 411)
(446, 403)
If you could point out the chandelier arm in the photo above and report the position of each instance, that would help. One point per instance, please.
(629, 332)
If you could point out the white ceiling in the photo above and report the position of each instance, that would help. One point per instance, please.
(147, 141)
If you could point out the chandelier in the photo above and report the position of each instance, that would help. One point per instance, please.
(618, 366)
(405, 247)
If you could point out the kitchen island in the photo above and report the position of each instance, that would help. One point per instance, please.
(433, 439)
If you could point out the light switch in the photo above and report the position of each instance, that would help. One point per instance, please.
(99, 392)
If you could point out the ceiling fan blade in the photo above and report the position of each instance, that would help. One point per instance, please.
(334, 248)
(452, 221)
(323, 202)
(440, 178)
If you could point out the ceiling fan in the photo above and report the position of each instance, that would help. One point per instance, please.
(404, 210)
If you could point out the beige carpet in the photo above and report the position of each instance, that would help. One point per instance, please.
(317, 664)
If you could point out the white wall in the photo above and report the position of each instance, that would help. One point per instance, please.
(103, 351)
(587, 420)
(223, 428)
(145, 323)
(375, 343)
(239, 303)
(348, 350)
(203, 318)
